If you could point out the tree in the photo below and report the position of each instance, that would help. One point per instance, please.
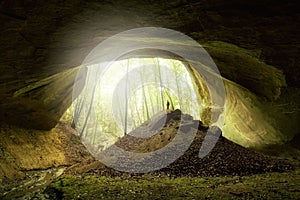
(126, 98)
(160, 83)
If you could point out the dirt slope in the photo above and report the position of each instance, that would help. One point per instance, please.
(226, 158)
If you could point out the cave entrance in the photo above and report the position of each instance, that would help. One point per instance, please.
(132, 76)
(128, 93)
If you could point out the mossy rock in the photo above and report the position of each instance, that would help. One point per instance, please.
(245, 68)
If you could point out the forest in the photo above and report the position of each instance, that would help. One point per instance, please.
(127, 94)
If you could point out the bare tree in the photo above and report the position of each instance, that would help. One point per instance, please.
(126, 99)
(160, 83)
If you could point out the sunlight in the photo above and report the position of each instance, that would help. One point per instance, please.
(127, 93)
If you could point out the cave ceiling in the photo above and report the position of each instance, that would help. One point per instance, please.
(43, 43)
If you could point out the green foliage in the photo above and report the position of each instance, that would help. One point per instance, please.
(68, 180)
(267, 186)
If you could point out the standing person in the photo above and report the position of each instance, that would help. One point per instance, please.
(168, 105)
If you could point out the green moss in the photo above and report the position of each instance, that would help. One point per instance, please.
(233, 48)
(245, 68)
(267, 186)
(65, 181)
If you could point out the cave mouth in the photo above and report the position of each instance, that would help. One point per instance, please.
(129, 92)
(136, 74)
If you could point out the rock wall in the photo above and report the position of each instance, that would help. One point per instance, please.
(40, 42)
(43, 43)
(22, 150)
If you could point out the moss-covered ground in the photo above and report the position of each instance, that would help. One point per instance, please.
(263, 186)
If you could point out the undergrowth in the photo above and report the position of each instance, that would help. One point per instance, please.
(264, 186)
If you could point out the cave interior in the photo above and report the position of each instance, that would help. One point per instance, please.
(45, 48)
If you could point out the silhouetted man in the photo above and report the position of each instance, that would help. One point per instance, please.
(168, 105)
